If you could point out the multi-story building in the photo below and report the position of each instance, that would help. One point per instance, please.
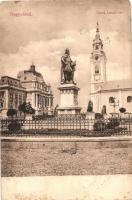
(39, 94)
(12, 94)
(28, 87)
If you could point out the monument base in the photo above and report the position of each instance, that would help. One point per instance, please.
(90, 115)
(69, 99)
(69, 110)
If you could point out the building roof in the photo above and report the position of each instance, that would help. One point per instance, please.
(9, 77)
(10, 82)
(117, 84)
(30, 75)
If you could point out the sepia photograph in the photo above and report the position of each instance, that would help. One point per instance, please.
(66, 100)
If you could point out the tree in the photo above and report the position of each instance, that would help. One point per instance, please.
(11, 112)
(26, 108)
(90, 106)
(122, 110)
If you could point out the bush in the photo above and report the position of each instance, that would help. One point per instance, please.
(14, 126)
(26, 108)
(98, 116)
(113, 122)
(122, 110)
(11, 112)
(99, 125)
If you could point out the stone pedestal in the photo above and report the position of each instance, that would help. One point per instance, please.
(90, 115)
(68, 99)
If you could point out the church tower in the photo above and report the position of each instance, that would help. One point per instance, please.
(98, 63)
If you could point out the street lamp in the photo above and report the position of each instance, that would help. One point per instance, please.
(114, 102)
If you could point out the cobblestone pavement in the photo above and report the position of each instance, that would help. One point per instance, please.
(65, 159)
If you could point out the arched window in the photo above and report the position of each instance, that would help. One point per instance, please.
(111, 99)
(103, 110)
(129, 99)
(97, 47)
(96, 69)
(96, 57)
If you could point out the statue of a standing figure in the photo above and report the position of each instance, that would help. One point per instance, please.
(67, 68)
(90, 106)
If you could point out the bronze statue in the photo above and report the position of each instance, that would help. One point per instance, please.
(67, 68)
(90, 106)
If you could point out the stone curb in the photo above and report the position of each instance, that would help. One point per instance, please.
(64, 139)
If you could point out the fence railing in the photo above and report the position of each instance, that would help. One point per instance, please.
(78, 126)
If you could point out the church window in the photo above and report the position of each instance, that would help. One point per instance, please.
(97, 47)
(129, 99)
(103, 110)
(96, 69)
(96, 57)
(111, 99)
(25, 78)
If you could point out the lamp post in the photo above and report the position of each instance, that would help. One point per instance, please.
(114, 102)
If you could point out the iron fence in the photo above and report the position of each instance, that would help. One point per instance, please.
(68, 126)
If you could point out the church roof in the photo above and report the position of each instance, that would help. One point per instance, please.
(117, 84)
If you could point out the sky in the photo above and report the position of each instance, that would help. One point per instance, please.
(53, 26)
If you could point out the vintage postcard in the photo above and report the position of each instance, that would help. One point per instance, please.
(66, 100)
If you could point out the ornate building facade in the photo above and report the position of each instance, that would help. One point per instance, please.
(28, 87)
(111, 95)
(12, 94)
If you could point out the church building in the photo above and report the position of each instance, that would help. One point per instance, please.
(108, 95)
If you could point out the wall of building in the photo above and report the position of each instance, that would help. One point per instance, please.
(103, 99)
(12, 94)
(29, 87)
(39, 94)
